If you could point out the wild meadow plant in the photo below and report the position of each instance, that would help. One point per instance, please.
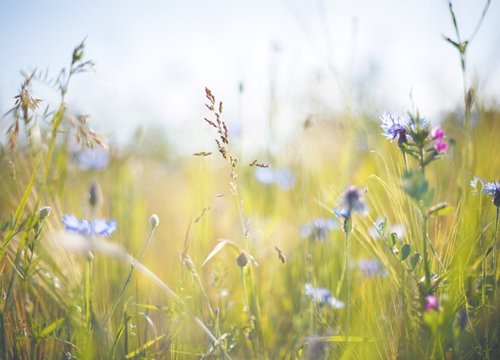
(38, 163)
(38, 320)
(352, 201)
(491, 189)
(425, 145)
(259, 274)
(253, 330)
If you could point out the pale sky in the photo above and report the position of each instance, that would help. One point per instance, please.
(155, 57)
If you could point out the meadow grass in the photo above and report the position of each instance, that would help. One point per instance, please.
(226, 269)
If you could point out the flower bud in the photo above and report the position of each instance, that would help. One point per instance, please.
(95, 194)
(242, 259)
(437, 133)
(44, 212)
(496, 199)
(154, 220)
(431, 303)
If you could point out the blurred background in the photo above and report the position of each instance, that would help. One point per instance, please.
(303, 84)
(273, 63)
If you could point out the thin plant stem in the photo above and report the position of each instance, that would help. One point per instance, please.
(434, 252)
(422, 161)
(89, 261)
(495, 254)
(247, 304)
(483, 251)
(425, 253)
(462, 46)
(310, 279)
(405, 161)
(342, 275)
(345, 278)
(257, 314)
(131, 272)
(347, 283)
(88, 293)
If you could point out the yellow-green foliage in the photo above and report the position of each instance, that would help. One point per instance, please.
(260, 310)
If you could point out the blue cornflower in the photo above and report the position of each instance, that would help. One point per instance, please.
(371, 268)
(318, 229)
(99, 227)
(284, 178)
(341, 213)
(95, 159)
(491, 188)
(352, 201)
(395, 127)
(323, 296)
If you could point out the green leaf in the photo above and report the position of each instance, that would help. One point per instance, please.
(433, 319)
(405, 251)
(144, 347)
(219, 247)
(345, 338)
(51, 328)
(427, 197)
(415, 185)
(440, 209)
(393, 239)
(414, 260)
(20, 208)
(455, 44)
(151, 307)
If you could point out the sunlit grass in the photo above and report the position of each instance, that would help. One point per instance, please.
(71, 296)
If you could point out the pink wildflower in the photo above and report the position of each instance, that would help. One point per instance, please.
(431, 303)
(437, 134)
(441, 146)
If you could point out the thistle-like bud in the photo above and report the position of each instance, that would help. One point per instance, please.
(496, 199)
(95, 194)
(154, 220)
(402, 139)
(44, 212)
(242, 259)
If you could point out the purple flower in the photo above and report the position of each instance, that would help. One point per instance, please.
(318, 229)
(490, 188)
(99, 227)
(394, 126)
(323, 296)
(284, 178)
(352, 201)
(431, 303)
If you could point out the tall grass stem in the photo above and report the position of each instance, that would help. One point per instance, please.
(130, 274)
